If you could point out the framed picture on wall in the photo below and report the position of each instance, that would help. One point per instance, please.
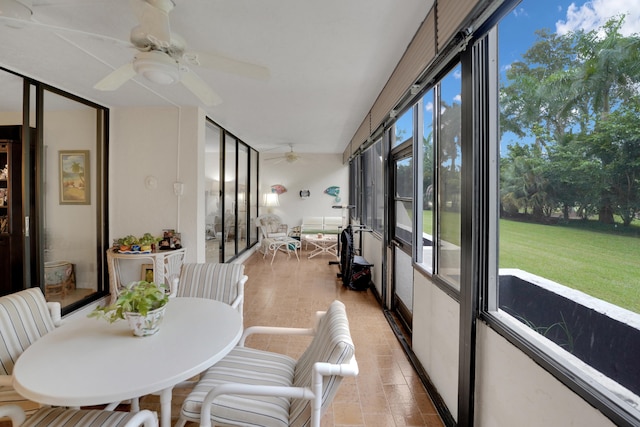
(146, 272)
(74, 177)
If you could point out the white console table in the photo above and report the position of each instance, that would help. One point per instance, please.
(166, 267)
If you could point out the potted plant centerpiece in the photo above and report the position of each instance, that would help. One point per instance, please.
(141, 303)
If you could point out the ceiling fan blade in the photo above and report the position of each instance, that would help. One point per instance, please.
(117, 78)
(153, 16)
(226, 64)
(199, 88)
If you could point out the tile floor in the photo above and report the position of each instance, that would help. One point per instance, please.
(386, 393)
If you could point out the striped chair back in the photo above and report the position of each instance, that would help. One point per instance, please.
(24, 317)
(331, 344)
(216, 281)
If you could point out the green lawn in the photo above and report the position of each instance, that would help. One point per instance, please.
(600, 261)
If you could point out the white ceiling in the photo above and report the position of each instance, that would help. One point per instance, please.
(328, 60)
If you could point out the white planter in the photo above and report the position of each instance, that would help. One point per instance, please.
(143, 326)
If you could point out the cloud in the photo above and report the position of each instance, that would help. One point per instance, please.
(428, 106)
(519, 11)
(457, 98)
(594, 14)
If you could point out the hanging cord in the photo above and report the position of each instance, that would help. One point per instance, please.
(178, 184)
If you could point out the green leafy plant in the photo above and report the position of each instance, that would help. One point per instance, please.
(139, 297)
(149, 239)
(129, 240)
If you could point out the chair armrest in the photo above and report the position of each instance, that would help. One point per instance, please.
(343, 370)
(315, 393)
(274, 330)
(173, 287)
(14, 412)
(55, 312)
(249, 389)
(144, 418)
(237, 303)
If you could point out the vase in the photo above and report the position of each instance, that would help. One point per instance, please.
(143, 326)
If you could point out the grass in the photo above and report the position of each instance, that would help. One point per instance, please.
(583, 257)
(599, 260)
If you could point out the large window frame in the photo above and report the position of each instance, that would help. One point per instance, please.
(485, 245)
(238, 196)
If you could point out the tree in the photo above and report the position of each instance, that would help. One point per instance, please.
(532, 104)
(576, 95)
(524, 182)
(609, 78)
(616, 140)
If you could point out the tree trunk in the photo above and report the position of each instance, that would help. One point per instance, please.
(605, 215)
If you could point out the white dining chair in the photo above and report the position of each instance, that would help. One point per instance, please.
(261, 388)
(25, 316)
(62, 417)
(218, 281)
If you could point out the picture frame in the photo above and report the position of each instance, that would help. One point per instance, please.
(146, 273)
(74, 174)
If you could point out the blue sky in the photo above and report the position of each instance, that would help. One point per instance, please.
(560, 17)
(517, 34)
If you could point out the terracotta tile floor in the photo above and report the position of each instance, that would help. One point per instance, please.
(386, 393)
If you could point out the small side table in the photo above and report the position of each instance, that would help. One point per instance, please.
(166, 267)
(284, 244)
(323, 244)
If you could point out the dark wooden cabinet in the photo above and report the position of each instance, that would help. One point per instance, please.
(11, 210)
(11, 247)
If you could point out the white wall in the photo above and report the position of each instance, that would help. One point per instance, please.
(163, 144)
(512, 390)
(436, 325)
(314, 172)
(372, 251)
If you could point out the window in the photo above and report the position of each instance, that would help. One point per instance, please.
(372, 161)
(378, 157)
(448, 173)
(212, 202)
(568, 189)
(427, 202)
(440, 156)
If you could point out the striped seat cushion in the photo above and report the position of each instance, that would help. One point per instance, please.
(215, 281)
(245, 366)
(331, 344)
(24, 317)
(62, 417)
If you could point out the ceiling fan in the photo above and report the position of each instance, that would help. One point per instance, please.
(290, 156)
(163, 57)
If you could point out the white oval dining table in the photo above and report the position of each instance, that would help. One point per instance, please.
(88, 361)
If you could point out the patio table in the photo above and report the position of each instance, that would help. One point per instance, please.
(92, 362)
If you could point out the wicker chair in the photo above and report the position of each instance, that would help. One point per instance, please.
(271, 226)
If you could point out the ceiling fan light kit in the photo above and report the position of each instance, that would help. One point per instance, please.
(157, 67)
